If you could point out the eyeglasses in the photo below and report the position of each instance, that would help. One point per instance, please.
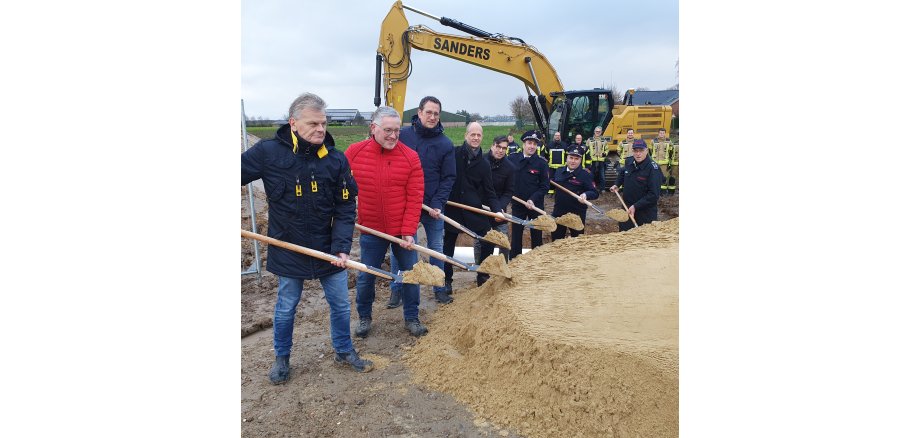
(501, 148)
(390, 131)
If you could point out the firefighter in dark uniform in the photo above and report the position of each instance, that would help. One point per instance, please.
(640, 180)
(531, 182)
(513, 147)
(586, 157)
(555, 154)
(661, 153)
(575, 178)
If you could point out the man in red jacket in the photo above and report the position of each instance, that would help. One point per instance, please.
(392, 185)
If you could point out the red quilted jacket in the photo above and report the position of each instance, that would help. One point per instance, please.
(390, 186)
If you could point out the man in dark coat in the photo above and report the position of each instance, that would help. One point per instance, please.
(531, 182)
(473, 187)
(579, 181)
(503, 182)
(311, 203)
(426, 137)
(641, 179)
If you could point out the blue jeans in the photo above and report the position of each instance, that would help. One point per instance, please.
(335, 288)
(373, 249)
(434, 234)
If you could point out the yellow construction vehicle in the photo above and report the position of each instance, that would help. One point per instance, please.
(569, 112)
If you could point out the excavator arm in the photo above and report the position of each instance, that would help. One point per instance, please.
(506, 55)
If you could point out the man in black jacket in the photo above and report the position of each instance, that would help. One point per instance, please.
(531, 182)
(641, 179)
(473, 187)
(503, 182)
(579, 181)
(311, 203)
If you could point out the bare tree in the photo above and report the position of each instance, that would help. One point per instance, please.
(522, 111)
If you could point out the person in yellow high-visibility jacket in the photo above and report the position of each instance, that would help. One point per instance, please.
(597, 150)
(673, 167)
(625, 149)
(661, 153)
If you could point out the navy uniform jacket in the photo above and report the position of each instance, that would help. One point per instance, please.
(578, 181)
(531, 177)
(323, 220)
(641, 187)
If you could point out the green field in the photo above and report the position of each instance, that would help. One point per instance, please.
(346, 135)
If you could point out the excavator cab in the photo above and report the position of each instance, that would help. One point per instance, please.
(578, 112)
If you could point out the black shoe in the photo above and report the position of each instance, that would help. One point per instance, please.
(416, 328)
(280, 371)
(395, 300)
(481, 279)
(352, 358)
(448, 288)
(364, 327)
(443, 298)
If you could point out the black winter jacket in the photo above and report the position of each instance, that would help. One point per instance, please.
(473, 187)
(641, 187)
(580, 181)
(323, 220)
(502, 180)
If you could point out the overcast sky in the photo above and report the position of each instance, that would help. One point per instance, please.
(328, 47)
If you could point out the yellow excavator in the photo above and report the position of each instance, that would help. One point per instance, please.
(569, 112)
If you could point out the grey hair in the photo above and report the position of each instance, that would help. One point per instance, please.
(306, 101)
(384, 111)
(598, 128)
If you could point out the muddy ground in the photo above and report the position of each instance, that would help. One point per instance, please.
(323, 399)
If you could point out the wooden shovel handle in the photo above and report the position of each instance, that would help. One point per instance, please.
(626, 208)
(453, 222)
(476, 210)
(587, 202)
(584, 201)
(525, 203)
(415, 247)
(312, 253)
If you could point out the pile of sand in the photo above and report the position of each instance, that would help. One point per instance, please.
(618, 215)
(500, 239)
(593, 353)
(570, 220)
(544, 223)
(495, 265)
(423, 273)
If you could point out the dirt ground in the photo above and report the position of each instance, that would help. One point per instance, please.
(323, 399)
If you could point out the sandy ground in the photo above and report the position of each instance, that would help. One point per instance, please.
(323, 399)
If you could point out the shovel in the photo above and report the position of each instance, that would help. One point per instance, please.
(464, 229)
(584, 201)
(485, 212)
(544, 214)
(626, 208)
(419, 248)
(398, 277)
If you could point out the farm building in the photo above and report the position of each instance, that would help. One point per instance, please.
(447, 119)
(346, 117)
(662, 97)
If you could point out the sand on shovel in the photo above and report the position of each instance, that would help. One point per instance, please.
(618, 215)
(544, 223)
(423, 273)
(495, 265)
(498, 239)
(570, 220)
